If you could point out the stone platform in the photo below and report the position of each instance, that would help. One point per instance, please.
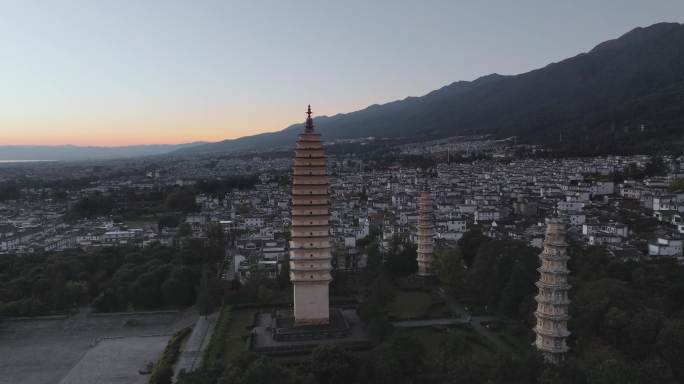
(276, 334)
(283, 328)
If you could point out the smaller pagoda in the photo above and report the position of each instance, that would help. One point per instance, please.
(426, 234)
(552, 300)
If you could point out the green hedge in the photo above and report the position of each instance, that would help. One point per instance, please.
(163, 370)
(216, 349)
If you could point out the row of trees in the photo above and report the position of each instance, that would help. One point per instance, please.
(627, 317)
(94, 204)
(654, 167)
(626, 322)
(219, 187)
(130, 202)
(111, 279)
(401, 359)
(9, 190)
(54, 189)
(500, 279)
(676, 186)
(378, 293)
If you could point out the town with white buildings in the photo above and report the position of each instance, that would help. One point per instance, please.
(502, 198)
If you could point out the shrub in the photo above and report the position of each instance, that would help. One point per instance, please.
(163, 370)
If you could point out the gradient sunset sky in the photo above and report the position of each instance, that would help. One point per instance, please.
(140, 72)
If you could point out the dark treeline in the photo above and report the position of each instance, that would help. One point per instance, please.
(9, 190)
(676, 186)
(400, 360)
(606, 139)
(12, 189)
(396, 357)
(130, 203)
(627, 323)
(654, 167)
(109, 279)
(391, 158)
(180, 199)
(219, 187)
(627, 317)
(94, 204)
(502, 278)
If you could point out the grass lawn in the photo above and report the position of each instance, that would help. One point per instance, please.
(238, 333)
(439, 310)
(230, 336)
(411, 305)
(516, 336)
(432, 338)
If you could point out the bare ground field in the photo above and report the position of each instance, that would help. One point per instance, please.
(116, 361)
(45, 351)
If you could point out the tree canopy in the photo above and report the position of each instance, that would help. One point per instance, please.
(109, 279)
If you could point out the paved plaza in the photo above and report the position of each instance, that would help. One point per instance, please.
(46, 351)
(116, 361)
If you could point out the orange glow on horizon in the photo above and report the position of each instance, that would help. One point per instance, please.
(117, 142)
(95, 131)
(86, 138)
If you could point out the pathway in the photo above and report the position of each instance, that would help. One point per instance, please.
(476, 322)
(428, 322)
(191, 355)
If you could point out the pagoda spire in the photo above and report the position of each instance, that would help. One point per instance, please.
(309, 121)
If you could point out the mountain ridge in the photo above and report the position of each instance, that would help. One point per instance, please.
(600, 95)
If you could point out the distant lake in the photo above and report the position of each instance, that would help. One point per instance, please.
(24, 161)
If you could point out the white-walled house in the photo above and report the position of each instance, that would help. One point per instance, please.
(665, 203)
(122, 238)
(602, 238)
(254, 222)
(601, 188)
(664, 246)
(486, 215)
(570, 206)
(617, 229)
(577, 218)
(456, 225)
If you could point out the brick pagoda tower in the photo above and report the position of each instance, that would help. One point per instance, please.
(426, 234)
(552, 299)
(310, 238)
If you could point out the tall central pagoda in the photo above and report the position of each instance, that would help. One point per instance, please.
(310, 237)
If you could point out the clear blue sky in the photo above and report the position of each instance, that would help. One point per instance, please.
(124, 72)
